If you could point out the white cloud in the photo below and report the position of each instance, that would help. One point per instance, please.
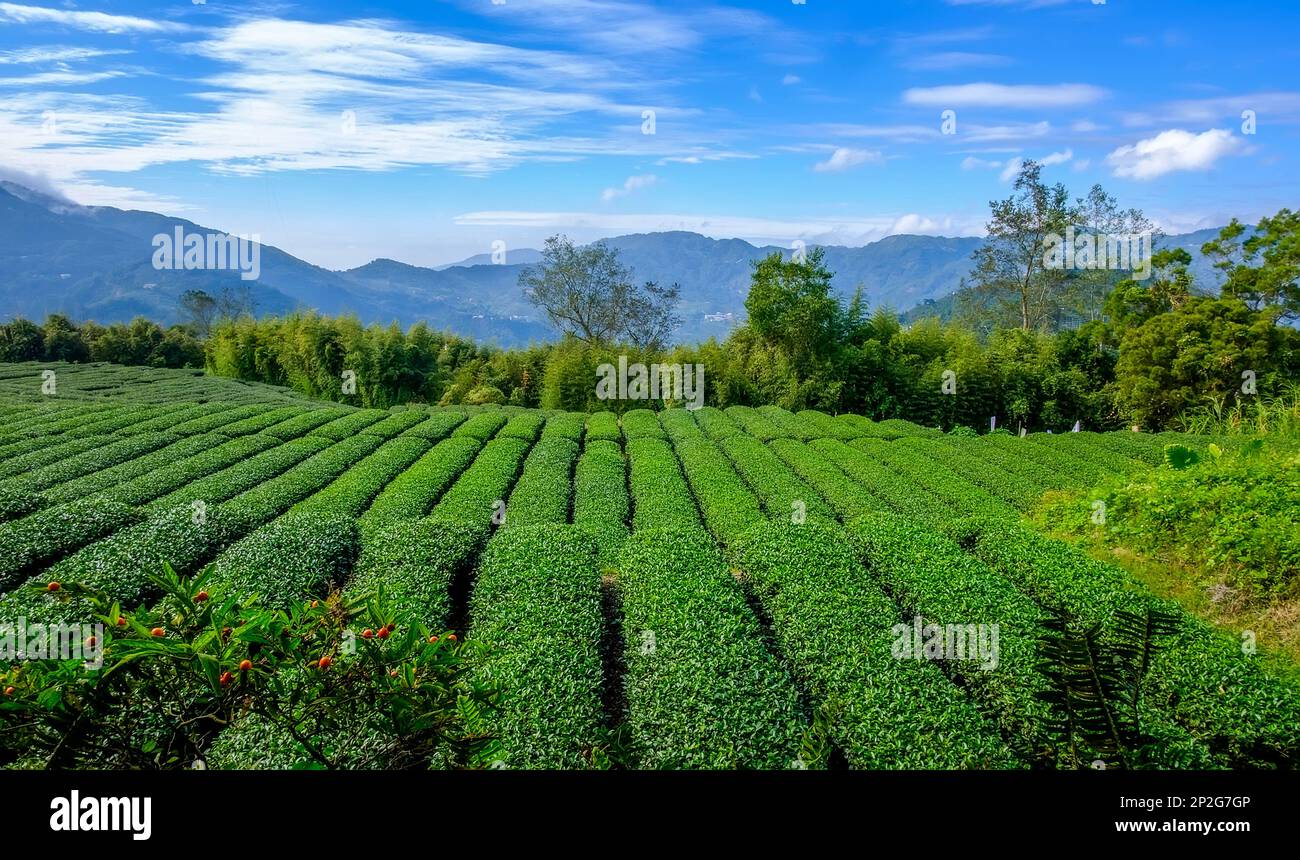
(1005, 95)
(54, 79)
(52, 54)
(949, 60)
(632, 183)
(1010, 169)
(1084, 126)
(1171, 151)
(96, 22)
(1082, 164)
(791, 80)
(1056, 158)
(970, 162)
(844, 158)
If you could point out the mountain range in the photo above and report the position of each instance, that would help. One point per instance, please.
(98, 263)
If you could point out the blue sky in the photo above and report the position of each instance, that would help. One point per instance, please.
(425, 131)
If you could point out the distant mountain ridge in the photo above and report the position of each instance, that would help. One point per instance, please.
(96, 263)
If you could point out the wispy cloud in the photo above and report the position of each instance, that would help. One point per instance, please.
(949, 60)
(97, 22)
(845, 158)
(1005, 95)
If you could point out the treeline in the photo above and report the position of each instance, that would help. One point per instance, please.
(139, 342)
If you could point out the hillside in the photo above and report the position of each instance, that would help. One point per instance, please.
(712, 589)
(95, 263)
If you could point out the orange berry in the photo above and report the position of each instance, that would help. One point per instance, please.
(433, 639)
(226, 678)
(157, 632)
(392, 674)
(91, 641)
(315, 604)
(245, 665)
(201, 597)
(325, 662)
(9, 691)
(451, 636)
(121, 622)
(367, 633)
(53, 586)
(383, 632)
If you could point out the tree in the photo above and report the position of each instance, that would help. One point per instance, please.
(1009, 274)
(1184, 358)
(1275, 279)
(235, 302)
(21, 340)
(63, 341)
(790, 304)
(1133, 302)
(199, 311)
(588, 293)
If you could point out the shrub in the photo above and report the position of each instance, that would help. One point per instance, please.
(473, 499)
(242, 476)
(354, 490)
(845, 495)
(727, 505)
(115, 476)
(781, 491)
(702, 690)
(413, 563)
(349, 425)
(276, 495)
(641, 424)
(912, 501)
(543, 491)
(659, 495)
(218, 453)
(1247, 717)
(715, 423)
(603, 426)
(299, 425)
(15, 504)
(395, 424)
(32, 542)
(435, 427)
(300, 554)
(754, 423)
(482, 426)
(157, 700)
(50, 450)
(261, 422)
(565, 425)
(833, 623)
(524, 426)
(412, 493)
(600, 498)
(102, 457)
(536, 607)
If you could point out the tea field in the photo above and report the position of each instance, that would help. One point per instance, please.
(720, 588)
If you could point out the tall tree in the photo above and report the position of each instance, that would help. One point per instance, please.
(199, 311)
(1010, 277)
(790, 303)
(588, 293)
(1266, 269)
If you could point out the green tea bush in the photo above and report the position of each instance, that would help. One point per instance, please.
(354, 490)
(702, 690)
(642, 424)
(412, 493)
(727, 505)
(476, 497)
(833, 623)
(603, 426)
(1203, 680)
(543, 491)
(848, 498)
(32, 542)
(660, 497)
(715, 423)
(536, 608)
(783, 493)
(600, 497)
(482, 426)
(349, 425)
